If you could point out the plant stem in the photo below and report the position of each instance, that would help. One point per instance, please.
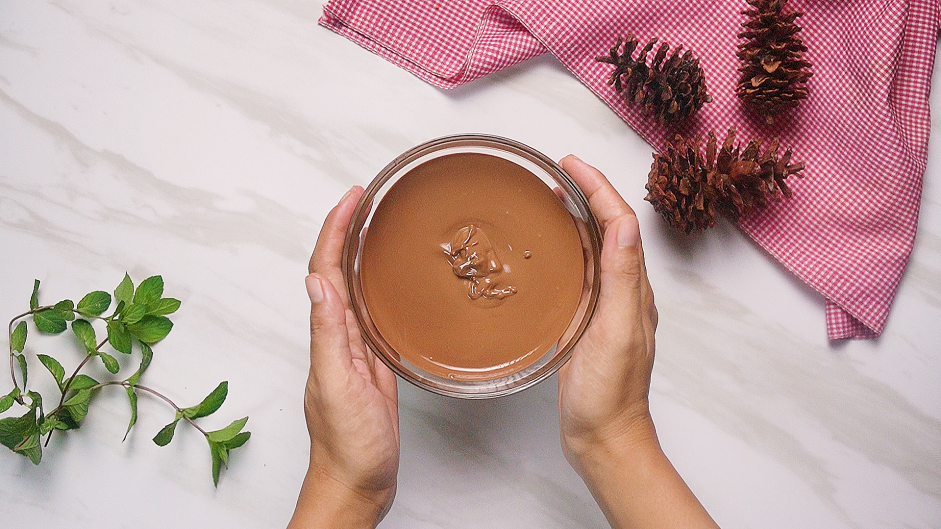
(65, 389)
(164, 398)
(68, 384)
(152, 391)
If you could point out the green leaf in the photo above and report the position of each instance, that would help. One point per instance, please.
(30, 448)
(66, 309)
(163, 306)
(165, 435)
(238, 440)
(125, 290)
(223, 452)
(21, 360)
(210, 404)
(46, 426)
(81, 382)
(133, 314)
(229, 432)
(14, 429)
(119, 337)
(220, 457)
(35, 400)
(151, 329)
(220, 453)
(7, 400)
(110, 363)
(18, 337)
(86, 334)
(94, 303)
(78, 404)
(49, 321)
(34, 298)
(149, 291)
(50, 423)
(118, 309)
(54, 367)
(147, 354)
(132, 398)
(65, 420)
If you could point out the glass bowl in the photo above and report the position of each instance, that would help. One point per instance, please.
(503, 379)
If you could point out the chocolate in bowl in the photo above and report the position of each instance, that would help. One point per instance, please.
(473, 266)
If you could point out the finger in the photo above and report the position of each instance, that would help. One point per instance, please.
(327, 257)
(330, 354)
(357, 345)
(604, 200)
(385, 381)
(654, 314)
(622, 316)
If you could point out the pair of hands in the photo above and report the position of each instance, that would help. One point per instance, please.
(351, 401)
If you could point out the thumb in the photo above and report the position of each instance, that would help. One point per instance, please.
(329, 341)
(620, 304)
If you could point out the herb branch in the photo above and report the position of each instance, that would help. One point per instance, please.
(139, 321)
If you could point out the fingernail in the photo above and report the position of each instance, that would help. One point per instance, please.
(314, 288)
(348, 193)
(628, 232)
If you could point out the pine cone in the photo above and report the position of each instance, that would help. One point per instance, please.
(671, 88)
(689, 187)
(774, 72)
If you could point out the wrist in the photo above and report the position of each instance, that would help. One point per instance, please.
(327, 502)
(592, 449)
(634, 482)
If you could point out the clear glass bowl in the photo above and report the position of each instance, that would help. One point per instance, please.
(572, 199)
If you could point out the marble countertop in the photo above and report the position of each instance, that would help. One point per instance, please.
(206, 141)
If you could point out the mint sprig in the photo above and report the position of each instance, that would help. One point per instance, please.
(139, 321)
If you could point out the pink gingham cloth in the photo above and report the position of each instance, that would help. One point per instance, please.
(848, 231)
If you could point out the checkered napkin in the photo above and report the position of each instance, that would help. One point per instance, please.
(863, 132)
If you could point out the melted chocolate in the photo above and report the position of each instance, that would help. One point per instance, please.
(471, 267)
(474, 259)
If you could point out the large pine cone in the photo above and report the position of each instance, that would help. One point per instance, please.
(671, 88)
(774, 72)
(689, 187)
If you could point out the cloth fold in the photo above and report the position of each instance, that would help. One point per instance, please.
(849, 229)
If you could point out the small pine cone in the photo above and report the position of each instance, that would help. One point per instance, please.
(671, 88)
(773, 72)
(679, 189)
(688, 187)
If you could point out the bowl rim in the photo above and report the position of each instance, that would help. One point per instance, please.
(585, 221)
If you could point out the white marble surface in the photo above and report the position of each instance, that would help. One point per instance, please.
(206, 141)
